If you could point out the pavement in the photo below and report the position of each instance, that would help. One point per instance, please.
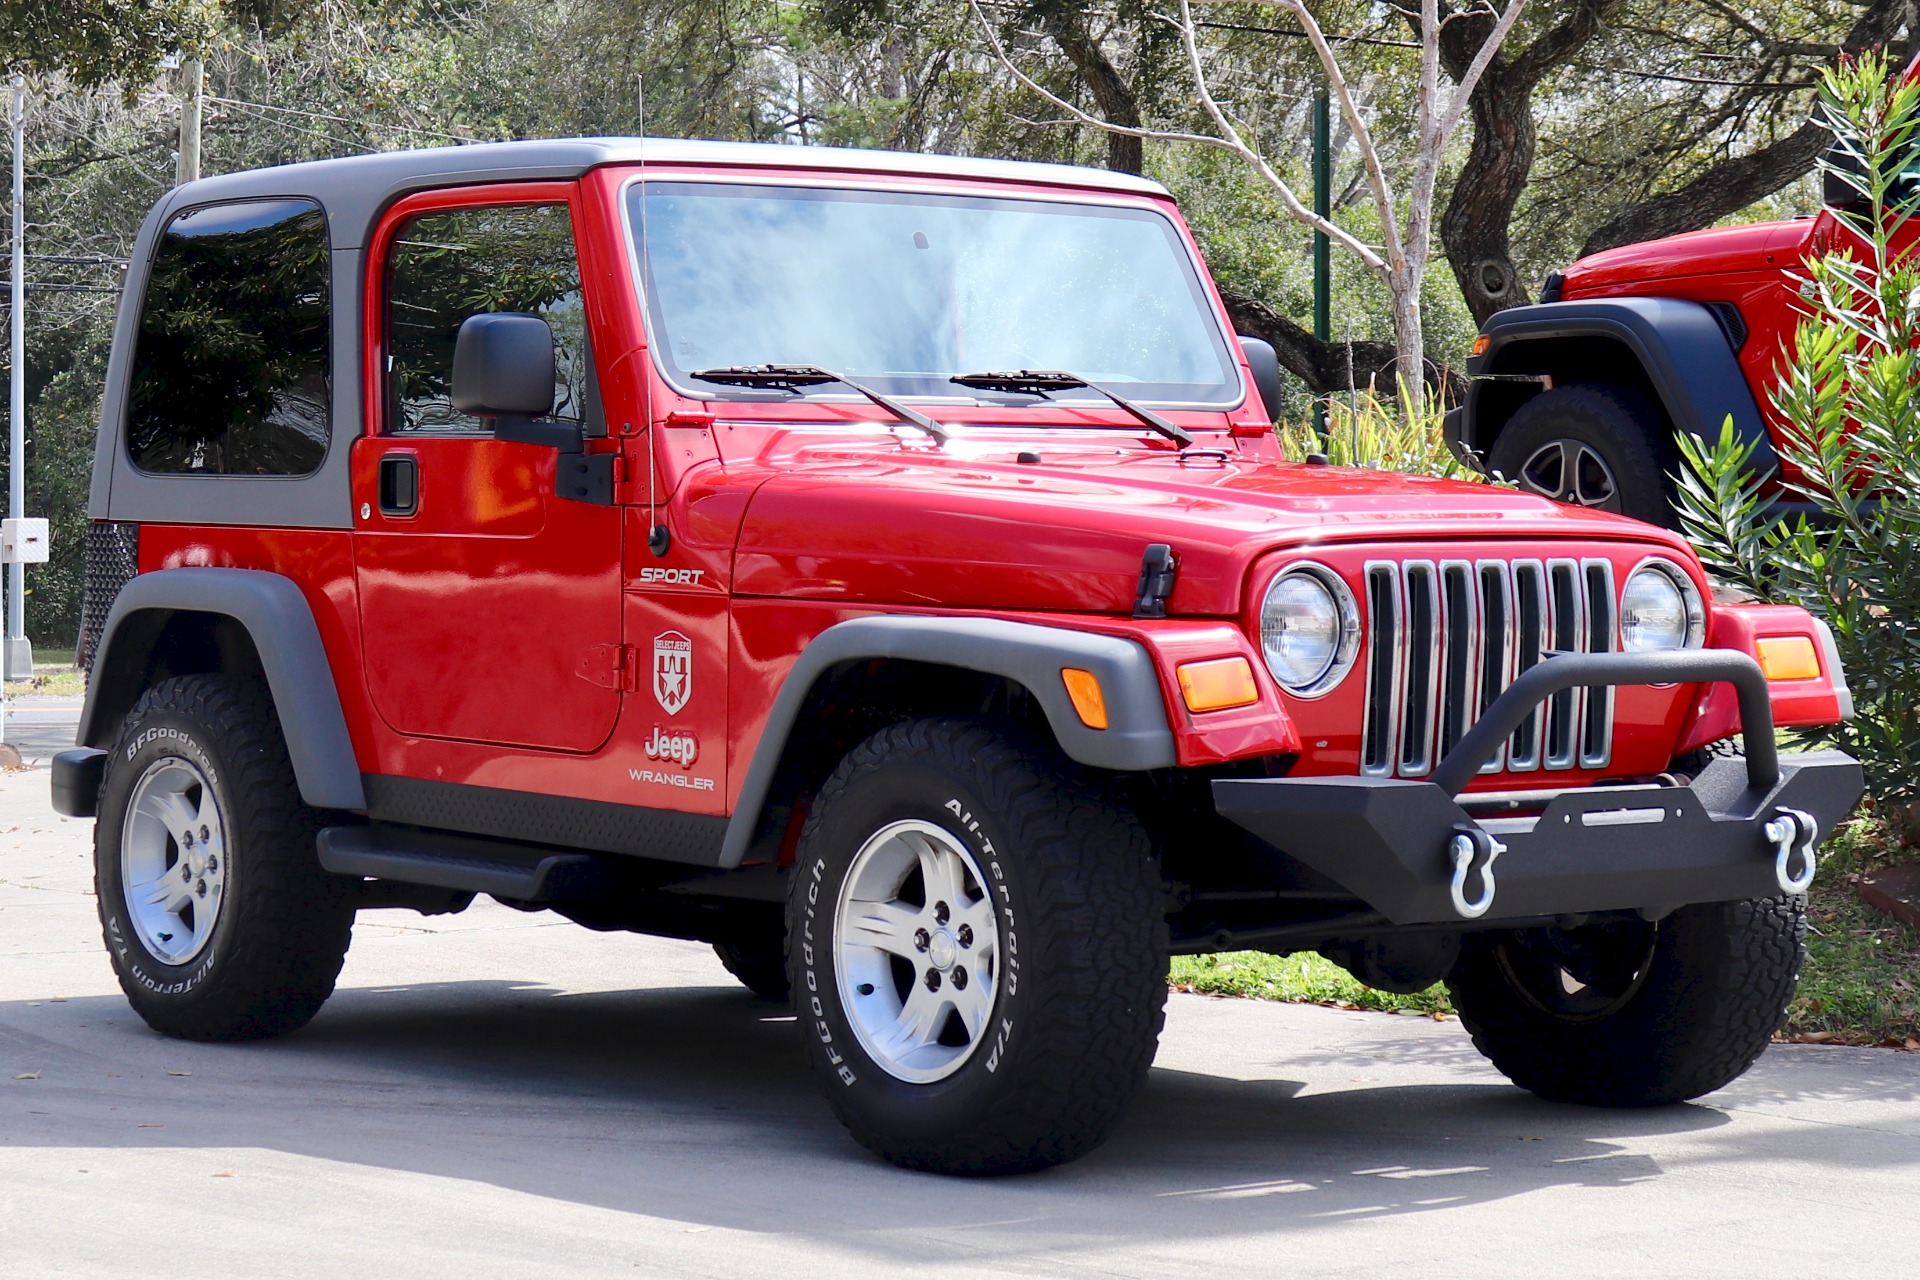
(504, 1094)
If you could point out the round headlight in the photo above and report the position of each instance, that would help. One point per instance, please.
(1660, 609)
(1309, 629)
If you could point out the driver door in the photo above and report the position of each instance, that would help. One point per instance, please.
(480, 590)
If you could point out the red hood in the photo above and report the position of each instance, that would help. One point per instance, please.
(969, 527)
(1757, 246)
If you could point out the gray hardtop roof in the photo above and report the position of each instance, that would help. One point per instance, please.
(355, 188)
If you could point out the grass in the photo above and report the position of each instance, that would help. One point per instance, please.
(53, 676)
(1860, 985)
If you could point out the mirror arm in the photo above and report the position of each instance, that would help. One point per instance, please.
(567, 437)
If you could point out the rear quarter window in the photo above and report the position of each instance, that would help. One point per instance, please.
(231, 372)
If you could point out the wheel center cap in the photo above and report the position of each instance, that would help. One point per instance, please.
(942, 950)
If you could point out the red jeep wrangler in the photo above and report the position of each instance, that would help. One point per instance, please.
(1579, 396)
(882, 568)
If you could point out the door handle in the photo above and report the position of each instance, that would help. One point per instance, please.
(399, 484)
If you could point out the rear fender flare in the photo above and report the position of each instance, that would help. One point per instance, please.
(1686, 356)
(280, 624)
(1137, 736)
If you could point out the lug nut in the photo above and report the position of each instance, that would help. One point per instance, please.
(200, 889)
(965, 935)
(941, 912)
(186, 873)
(921, 939)
(959, 979)
(213, 863)
(186, 839)
(933, 979)
(205, 835)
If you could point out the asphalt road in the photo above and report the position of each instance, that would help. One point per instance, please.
(500, 1094)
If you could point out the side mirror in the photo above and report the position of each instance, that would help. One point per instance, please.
(1835, 191)
(1265, 363)
(503, 370)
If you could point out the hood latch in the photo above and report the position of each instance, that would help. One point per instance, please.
(1157, 571)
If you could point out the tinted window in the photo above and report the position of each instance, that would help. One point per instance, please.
(230, 371)
(450, 265)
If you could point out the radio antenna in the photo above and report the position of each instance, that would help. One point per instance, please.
(659, 539)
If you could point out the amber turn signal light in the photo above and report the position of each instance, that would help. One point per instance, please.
(1083, 687)
(1218, 684)
(1480, 344)
(1788, 658)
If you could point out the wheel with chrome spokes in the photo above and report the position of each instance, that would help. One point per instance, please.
(918, 951)
(172, 859)
(218, 918)
(978, 948)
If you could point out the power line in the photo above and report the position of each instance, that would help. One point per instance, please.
(323, 115)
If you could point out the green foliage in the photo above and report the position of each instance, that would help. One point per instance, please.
(1365, 430)
(93, 41)
(1305, 978)
(1851, 447)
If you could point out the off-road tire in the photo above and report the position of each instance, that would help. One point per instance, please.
(1625, 429)
(760, 966)
(1711, 995)
(282, 932)
(1079, 905)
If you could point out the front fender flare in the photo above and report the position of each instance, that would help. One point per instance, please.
(1681, 347)
(1137, 738)
(280, 623)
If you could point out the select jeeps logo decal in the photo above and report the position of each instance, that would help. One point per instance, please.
(677, 745)
(672, 671)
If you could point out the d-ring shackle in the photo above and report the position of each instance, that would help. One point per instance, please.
(1793, 830)
(1473, 850)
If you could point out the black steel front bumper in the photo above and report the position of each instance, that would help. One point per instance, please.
(1416, 854)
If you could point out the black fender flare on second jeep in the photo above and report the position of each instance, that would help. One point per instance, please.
(278, 623)
(1679, 352)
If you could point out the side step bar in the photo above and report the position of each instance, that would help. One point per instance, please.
(460, 862)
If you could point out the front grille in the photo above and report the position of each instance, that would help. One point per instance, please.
(1445, 638)
(112, 559)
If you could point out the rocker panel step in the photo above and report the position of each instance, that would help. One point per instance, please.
(459, 862)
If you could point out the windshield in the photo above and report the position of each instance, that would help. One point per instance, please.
(904, 290)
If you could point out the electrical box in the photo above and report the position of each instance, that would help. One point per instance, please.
(23, 541)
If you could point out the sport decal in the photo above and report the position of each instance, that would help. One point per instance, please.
(672, 671)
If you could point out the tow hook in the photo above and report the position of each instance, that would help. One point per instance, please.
(1793, 830)
(1473, 850)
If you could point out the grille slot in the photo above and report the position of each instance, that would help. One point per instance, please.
(1446, 638)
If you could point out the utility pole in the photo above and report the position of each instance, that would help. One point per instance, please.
(193, 78)
(18, 652)
(1322, 249)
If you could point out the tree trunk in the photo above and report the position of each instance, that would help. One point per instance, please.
(1067, 24)
(1325, 367)
(1474, 230)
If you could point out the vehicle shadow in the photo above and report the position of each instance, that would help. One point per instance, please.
(694, 1104)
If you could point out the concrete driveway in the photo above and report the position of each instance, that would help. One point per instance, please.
(499, 1094)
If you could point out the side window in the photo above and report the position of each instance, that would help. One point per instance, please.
(231, 374)
(455, 263)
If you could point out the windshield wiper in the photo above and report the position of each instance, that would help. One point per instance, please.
(793, 377)
(1044, 382)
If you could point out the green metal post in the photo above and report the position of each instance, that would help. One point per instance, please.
(1322, 249)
